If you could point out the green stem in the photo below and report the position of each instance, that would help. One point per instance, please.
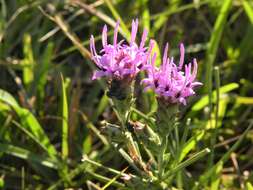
(86, 159)
(106, 180)
(129, 160)
(161, 156)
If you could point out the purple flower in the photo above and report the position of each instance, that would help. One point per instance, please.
(170, 82)
(118, 60)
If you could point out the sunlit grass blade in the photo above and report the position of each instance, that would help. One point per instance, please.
(243, 100)
(64, 111)
(28, 61)
(113, 180)
(248, 8)
(7, 98)
(205, 99)
(190, 144)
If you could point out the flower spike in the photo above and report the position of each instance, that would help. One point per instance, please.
(120, 60)
(170, 82)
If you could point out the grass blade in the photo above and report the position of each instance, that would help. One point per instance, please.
(248, 8)
(188, 162)
(65, 128)
(113, 179)
(28, 61)
(28, 121)
(205, 99)
(213, 46)
(27, 155)
(209, 173)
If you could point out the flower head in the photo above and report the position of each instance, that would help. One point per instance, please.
(119, 60)
(170, 82)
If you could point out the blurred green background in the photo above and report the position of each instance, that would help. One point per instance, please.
(51, 111)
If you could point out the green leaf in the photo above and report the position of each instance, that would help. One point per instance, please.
(28, 121)
(244, 100)
(190, 144)
(7, 98)
(27, 155)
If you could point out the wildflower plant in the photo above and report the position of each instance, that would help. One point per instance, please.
(157, 136)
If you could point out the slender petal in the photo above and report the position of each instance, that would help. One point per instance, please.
(104, 36)
(134, 31)
(181, 60)
(143, 38)
(165, 56)
(116, 34)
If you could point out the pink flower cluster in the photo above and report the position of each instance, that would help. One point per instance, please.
(169, 81)
(120, 61)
